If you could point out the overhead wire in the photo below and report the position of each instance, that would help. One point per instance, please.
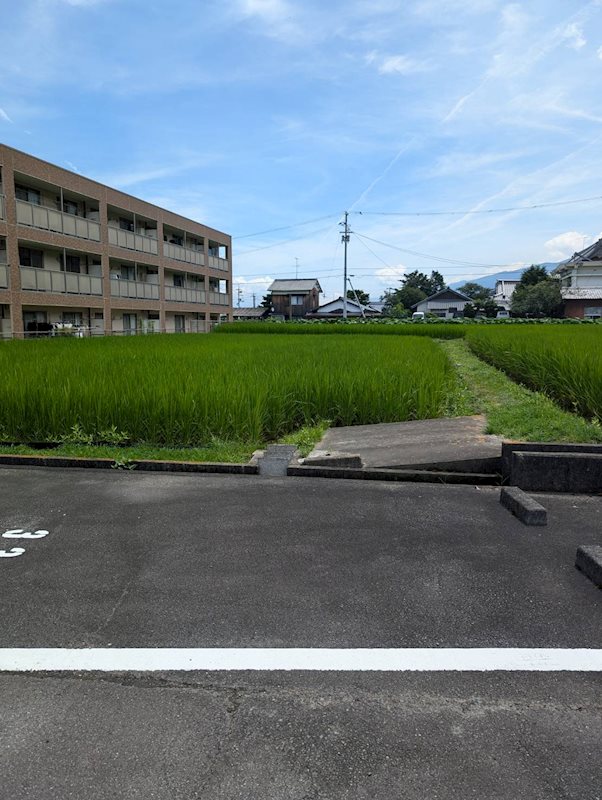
(476, 211)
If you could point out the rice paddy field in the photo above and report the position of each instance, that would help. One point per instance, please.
(186, 390)
(452, 329)
(564, 362)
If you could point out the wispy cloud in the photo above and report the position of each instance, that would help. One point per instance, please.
(4, 116)
(396, 64)
(573, 34)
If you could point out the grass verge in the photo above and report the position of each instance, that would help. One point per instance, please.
(512, 410)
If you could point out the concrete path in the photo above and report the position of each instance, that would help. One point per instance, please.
(447, 443)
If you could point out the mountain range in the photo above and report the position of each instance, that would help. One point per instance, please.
(489, 281)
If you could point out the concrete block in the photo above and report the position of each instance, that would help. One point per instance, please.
(589, 561)
(325, 458)
(508, 448)
(579, 473)
(275, 461)
(524, 508)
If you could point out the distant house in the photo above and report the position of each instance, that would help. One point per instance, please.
(447, 304)
(504, 289)
(334, 310)
(295, 297)
(581, 283)
(250, 314)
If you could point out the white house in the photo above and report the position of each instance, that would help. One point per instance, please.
(504, 289)
(447, 304)
(581, 283)
(334, 309)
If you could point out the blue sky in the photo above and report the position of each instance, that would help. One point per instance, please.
(254, 115)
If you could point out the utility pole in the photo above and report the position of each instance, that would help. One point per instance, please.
(253, 299)
(296, 267)
(345, 240)
(240, 293)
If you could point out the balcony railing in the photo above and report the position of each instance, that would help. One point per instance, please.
(46, 280)
(134, 289)
(180, 294)
(219, 299)
(133, 241)
(218, 263)
(50, 219)
(179, 253)
(2, 207)
(3, 276)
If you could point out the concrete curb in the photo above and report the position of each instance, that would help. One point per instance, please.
(138, 466)
(275, 461)
(332, 459)
(569, 472)
(589, 561)
(524, 508)
(509, 448)
(414, 476)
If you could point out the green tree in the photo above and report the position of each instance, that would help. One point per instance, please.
(542, 299)
(363, 297)
(475, 291)
(266, 301)
(419, 280)
(534, 275)
(403, 298)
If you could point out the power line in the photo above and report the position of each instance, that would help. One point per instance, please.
(476, 211)
(279, 244)
(430, 256)
(285, 227)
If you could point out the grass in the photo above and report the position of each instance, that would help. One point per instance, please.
(189, 390)
(452, 329)
(513, 411)
(564, 363)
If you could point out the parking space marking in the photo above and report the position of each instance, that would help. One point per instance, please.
(145, 659)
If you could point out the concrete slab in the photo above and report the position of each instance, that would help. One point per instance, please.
(456, 443)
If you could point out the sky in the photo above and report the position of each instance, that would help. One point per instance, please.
(268, 119)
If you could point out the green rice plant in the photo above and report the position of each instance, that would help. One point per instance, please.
(437, 329)
(190, 389)
(564, 362)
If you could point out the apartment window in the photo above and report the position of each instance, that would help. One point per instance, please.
(72, 264)
(179, 323)
(29, 195)
(178, 280)
(98, 315)
(297, 299)
(154, 315)
(126, 224)
(69, 207)
(173, 239)
(31, 258)
(72, 318)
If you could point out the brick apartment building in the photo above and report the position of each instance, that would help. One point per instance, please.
(76, 252)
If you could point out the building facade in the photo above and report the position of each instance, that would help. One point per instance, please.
(293, 298)
(77, 254)
(581, 283)
(504, 289)
(447, 304)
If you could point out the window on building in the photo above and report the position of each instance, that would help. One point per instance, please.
(72, 264)
(29, 195)
(297, 299)
(178, 280)
(126, 224)
(72, 318)
(31, 258)
(70, 207)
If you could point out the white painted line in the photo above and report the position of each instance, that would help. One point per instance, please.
(348, 660)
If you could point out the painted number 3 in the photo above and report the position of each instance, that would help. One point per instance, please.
(19, 533)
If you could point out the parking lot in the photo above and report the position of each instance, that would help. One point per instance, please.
(180, 562)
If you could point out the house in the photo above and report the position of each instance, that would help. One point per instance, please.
(334, 310)
(447, 304)
(295, 297)
(250, 314)
(581, 283)
(504, 289)
(74, 252)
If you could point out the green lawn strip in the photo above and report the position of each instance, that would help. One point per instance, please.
(221, 451)
(513, 411)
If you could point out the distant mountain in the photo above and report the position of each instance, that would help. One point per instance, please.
(488, 281)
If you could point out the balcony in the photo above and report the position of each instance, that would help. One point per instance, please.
(2, 207)
(34, 279)
(3, 276)
(51, 219)
(133, 241)
(218, 263)
(136, 290)
(179, 294)
(219, 299)
(180, 253)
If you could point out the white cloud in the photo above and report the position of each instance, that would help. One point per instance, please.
(573, 34)
(599, 52)
(565, 244)
(459, 163)
(4, 116)
(397, 64)
(390, 276)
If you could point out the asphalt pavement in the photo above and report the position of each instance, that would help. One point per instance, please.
(200, 561)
